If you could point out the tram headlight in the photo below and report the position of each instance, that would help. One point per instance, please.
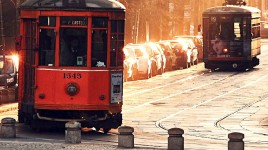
(72, 89)
(225, 50)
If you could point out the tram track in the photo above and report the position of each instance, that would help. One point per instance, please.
(159, 123)
(246, 106)
(178, 93)
(168, 84)
(217, 123)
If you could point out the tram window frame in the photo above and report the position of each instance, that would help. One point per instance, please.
(47, 46)
(99, 41)
(70, 39)
(73, 21)
(238, 28)
(73, 47)
(117, 43)
(255, 28)
(47, 21)
(99, 22)
(47, 40)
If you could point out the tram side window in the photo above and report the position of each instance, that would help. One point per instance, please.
(117, 43)
(99, 42)
(238, 28)
(255, 30)
(73, 47)
(47, 47)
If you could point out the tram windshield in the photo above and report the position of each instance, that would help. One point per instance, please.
(73, 47)
(228, 28)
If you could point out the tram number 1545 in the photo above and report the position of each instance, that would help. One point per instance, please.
(72, 75)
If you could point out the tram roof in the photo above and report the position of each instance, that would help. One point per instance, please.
(232, 9)
(97, 5)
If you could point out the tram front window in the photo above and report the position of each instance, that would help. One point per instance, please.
(73, 47)
(47, 47)
(99, 42)
(226, 28)
(99, 48)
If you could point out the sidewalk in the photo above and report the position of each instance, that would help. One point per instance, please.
(8, 107)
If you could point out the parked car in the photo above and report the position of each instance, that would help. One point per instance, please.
(144, 63)
(155, 57)
(198, 42)
(8, 71)
(193, 50)
(183, 55)
(164, 59)
(171, 56)
(130, 63)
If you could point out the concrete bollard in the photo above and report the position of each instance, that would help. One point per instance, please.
(8, 129)
(126, 137)
(236, 141)
(175, 139)
(73, 132)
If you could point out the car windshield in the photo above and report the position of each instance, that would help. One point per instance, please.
(165, 47)
(175, 44)
(182, 38)
(138, 52)
(129, 52)
(6, 67)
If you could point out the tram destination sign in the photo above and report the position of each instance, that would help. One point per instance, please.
(73, 21)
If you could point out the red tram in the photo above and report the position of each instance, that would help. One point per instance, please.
(231, 36)
(71, 63)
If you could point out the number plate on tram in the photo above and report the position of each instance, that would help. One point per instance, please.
(72, 75)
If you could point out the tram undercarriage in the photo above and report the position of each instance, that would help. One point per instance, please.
(47, 119)
(237, 65)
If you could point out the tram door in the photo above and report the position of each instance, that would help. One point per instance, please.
(29, 60)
